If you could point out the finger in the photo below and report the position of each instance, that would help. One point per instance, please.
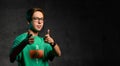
(29, 35)
(48, 31)
(46, 40)
(46, 36)
(31, 40)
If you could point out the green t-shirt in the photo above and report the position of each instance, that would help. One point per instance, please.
(24, 58)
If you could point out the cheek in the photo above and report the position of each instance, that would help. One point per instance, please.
(42, 24)
(34, 24)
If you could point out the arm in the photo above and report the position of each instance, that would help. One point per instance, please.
(55, 52)
(56, 48)
(18, 49)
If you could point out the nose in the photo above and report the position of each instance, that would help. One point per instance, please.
(39, 22)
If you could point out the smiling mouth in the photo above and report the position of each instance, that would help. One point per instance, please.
(38, 26)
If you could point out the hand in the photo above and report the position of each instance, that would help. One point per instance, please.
(48, 38)
(30, 39)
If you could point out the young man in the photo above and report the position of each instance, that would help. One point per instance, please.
(29, 49)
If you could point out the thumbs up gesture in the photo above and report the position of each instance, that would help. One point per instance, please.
(48, 38)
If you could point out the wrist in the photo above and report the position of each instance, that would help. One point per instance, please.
(53, 44)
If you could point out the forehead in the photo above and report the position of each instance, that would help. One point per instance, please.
(37, 14)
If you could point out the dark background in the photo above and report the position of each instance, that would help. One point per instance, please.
(86, 30)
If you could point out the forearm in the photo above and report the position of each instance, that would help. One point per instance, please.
(57, 50)
(17, 50)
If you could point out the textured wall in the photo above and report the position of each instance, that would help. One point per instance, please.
(83, 30)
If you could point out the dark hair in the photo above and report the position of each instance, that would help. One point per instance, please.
(30, 12)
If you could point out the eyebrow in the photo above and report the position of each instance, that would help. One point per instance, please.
(38, 17)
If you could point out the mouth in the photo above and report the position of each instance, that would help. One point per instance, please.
(38, 26)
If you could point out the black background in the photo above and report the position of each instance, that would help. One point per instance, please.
(86, 30)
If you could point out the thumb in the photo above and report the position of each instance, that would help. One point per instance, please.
(29, 35)
(48, 33)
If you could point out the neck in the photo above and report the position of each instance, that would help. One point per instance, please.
(33, 33)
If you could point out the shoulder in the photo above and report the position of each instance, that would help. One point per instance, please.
(21, 36)
(19, 39)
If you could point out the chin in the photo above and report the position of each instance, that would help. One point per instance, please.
(38, 29)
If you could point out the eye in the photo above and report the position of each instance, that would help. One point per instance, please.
(40, 18)
(35, 18)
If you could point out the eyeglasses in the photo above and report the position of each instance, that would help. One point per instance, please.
(37, 19)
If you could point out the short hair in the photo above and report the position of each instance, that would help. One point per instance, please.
(30, 12)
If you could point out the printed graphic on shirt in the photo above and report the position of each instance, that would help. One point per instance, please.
(36, 53)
